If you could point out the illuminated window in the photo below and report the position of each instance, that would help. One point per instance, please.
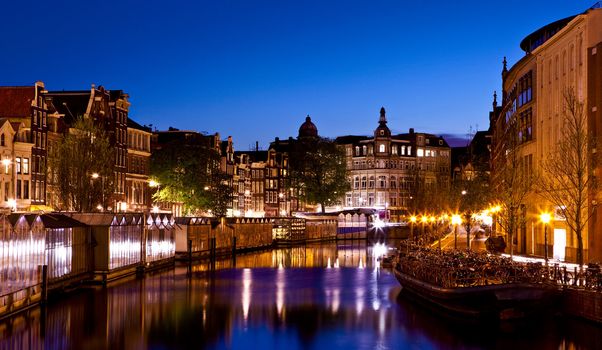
(394, 149)
(420, 152)
(18, 160)
(371, 182)
(381, 148)
(403, 150)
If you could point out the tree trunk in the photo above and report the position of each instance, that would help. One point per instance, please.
(579, 248)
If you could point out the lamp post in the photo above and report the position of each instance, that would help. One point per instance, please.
(95, 176)
(154, 184)
(424, 219)
(412, 223)
(545, 220)
(456, 220)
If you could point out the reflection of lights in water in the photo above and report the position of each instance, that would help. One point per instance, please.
(359, 300)
(328, 266)
(361, 267)
(336, 263)
(379, 250)
(280, 289)
(280, 267)
(246, 292)
(378, 223)
(336, 300)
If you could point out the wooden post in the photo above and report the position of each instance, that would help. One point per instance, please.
(44, 297)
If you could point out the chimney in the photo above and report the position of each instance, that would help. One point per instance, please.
(256, 145)
(411, 131)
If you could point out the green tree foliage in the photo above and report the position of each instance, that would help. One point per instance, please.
(318, 171)
(188, 172)
(83, 151)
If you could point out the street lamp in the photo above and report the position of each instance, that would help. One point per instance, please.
(545, 220)
(102, 189)
(412, 223)
(456, 220)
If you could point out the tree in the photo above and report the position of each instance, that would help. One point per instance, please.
(568, 170)
(81, 165)
(318, 171)
(513, 181)
(188, 171)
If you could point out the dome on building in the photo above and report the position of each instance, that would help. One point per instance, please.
(382, 130)
(308, 129)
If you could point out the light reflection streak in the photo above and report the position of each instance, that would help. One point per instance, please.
(246, 292)
(280, 284)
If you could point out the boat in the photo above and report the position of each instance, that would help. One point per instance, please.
(505, 301)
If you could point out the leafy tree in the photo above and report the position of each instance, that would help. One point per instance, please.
(187, 171)
(82, 153)
(318, 171)
(568, 170)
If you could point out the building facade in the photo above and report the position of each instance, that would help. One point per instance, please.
(559, 57)
(389, 172)
(138, 196)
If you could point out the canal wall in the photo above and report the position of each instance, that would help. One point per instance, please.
(581, 303)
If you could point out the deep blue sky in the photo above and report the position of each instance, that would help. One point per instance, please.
(255, 69)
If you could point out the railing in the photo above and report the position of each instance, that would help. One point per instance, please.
(458, 269)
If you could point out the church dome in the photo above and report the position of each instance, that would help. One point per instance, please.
(308, 129)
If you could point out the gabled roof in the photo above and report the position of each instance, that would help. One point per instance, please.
(70, 103)
(15, 101)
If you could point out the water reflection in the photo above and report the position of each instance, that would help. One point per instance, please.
(285, 298)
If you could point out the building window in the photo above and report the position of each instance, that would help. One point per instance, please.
(2, 140)
(409, 150)
(18, 189)
(403, 150)
(25, 165)
(18, 161)
(381, 148)
(357, 150)
(394, 149)
(371, 182)
(382, 182)
(393, 182)
(25, 189)
(364, 150)
(356, 182)
(419, 152)
(363, 182)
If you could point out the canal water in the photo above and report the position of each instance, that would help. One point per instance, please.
(328, 296)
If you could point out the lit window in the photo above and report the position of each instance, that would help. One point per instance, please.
(25, 165)
(403, 150)
(381, 148)
(18, 160)
(420, 152)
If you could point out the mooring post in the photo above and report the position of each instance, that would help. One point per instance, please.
(44, 296)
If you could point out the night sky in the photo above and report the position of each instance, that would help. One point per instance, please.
(255, 69)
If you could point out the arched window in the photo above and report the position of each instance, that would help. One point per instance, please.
(363, 182)
(357, 150)
(356, 182)
(364, 149)
(381, 148)
(393, 182)
(371, 182)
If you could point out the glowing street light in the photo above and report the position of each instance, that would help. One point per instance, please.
(545, 219)
(153, 183)
(95, 175)
(12, 204)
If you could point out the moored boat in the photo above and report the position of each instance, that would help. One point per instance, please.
(486, 299)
